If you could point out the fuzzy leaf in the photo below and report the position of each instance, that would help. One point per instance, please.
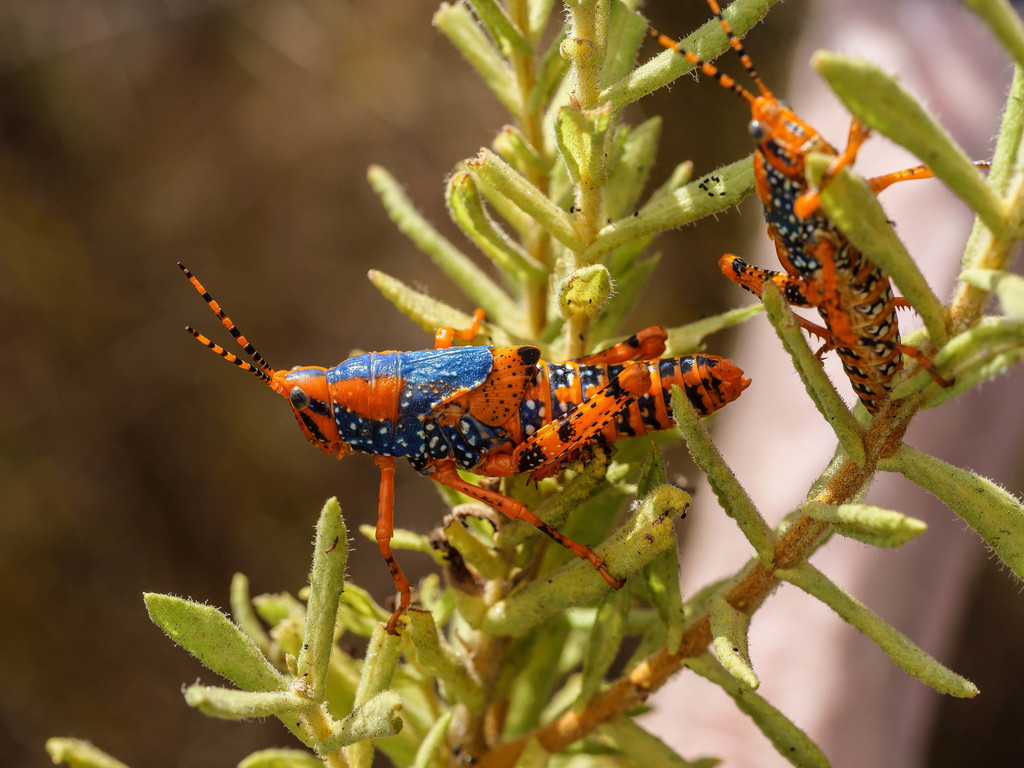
(518, 152)
(1007, 286)
(444, 663)
(626, 31)
(632, 159)
(647, 533)
(467, 211)
(896, 645)
(603, 643)
(327, 581)
(714, 192)
(229, 704)
(791, 742)
(473, 281)
(500, 27)
(646, 749)
(731, 495)
(582, 137)
(210, 636)
(281, 758)
(996, 515)
(490, 170)
(988, 350)
(730, 627)
(1004, 22)
(824, 395)
(429, 313)
(863, 522)
(688, 339)
(244, 615)
(432, 750)
(459, 26)
(79, 754)
(375, 719)
(707, 42)
(878, 100)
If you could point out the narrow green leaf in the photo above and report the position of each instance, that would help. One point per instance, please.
(79, 754)
(790, 742)
(688, 339)
(210, 636)
(856, 211)
(515, 150)
(275, 608)
(863, 522)
(327, 581)
(244, 615)
(721, 189)
(229, 704)
(379, 667)
(996, 515)
(646, 534)
(375, 719)
(431, 752)
(897, 646)
(281, 758)
(662, 575)
(489, 169)
(826, 399)
(707, 42)
(501, 28)
(1007, 286)
(430, 314)
(603, 643)
(458, 25)
(730, 628)
(626, 32)
(632, 160)
(538, 14)
(731, 495)
(473, 281)
(550, 75)
(532, 672)
(646, 749)
(474, 550)
(975, 356)
(443, 663)
(467, 211)
(1005, 24)
(879, 101)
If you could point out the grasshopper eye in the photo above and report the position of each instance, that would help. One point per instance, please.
(300, 400)
(757, 131)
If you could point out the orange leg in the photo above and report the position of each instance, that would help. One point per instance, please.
(445, 337)
(810, 201)
(796, 291)
(385, 530)
(925, 362)
(445, 474)
(648, 344)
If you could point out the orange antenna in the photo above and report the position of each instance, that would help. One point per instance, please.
(262, 369)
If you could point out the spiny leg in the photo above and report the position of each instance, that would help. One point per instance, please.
(445, 474)
(385, 530)
(925, 362)
(445, 337)
(796, 291)
(648, 344)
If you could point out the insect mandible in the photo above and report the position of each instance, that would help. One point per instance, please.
(823, 270)
(492, 411)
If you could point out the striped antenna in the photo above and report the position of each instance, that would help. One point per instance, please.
(262, 369)
(710, 69)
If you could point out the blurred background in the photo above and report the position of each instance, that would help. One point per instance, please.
(235, 137)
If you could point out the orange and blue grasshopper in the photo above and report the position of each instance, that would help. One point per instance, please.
(492, 411)
(823, 270)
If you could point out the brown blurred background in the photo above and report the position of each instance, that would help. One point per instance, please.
(235, 137)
